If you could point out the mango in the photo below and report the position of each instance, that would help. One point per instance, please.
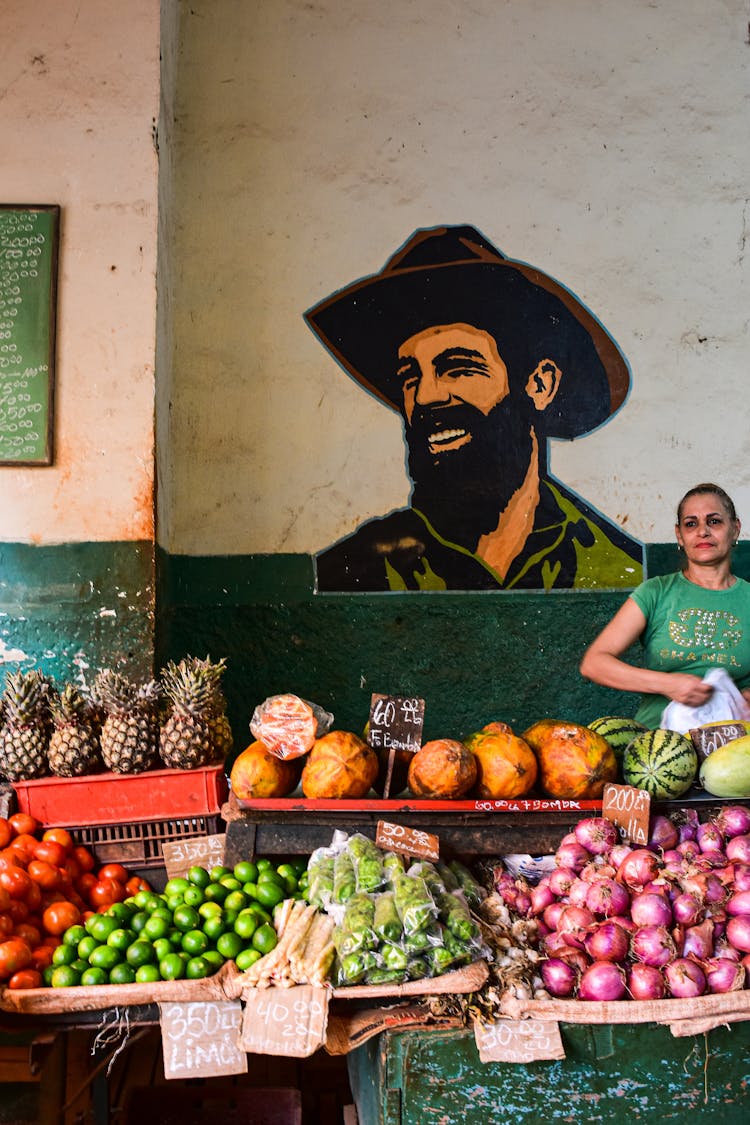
(726, 772)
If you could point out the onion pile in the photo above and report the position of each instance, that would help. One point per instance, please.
(668, 919)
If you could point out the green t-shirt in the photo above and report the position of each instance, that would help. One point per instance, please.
(691, 629)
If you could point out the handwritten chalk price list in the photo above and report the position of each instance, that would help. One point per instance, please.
(407, 841)
(289, 1021)
(28, 282)
(629, 809)
(518, 1041)
(202, 1039)
(202, 851)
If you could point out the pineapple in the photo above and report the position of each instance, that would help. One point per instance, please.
(221, 731)
(74, 746)
(130, 734)
(25, 732)
(187, 740)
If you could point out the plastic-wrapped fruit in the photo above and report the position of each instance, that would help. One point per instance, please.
(339, 765)
(442, 768)
(257, 772)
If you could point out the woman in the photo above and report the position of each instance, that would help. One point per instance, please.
(688, 622)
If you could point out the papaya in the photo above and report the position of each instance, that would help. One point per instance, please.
(340, 765)
(442, 768)
(726, 772)
(506, 765)
(574, 761)
(257, 773)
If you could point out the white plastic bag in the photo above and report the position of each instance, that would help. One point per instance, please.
(725, 704)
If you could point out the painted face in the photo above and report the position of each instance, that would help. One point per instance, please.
(447, 366)
(705, 531)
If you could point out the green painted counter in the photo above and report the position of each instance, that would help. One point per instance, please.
(623, 1073)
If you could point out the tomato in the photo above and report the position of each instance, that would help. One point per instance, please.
(4, 899)
(47, 875)
(8, 859)
(23, 847)
(60, 836)
(84, 883)
(34, 896)
(26, 978)
(41, 957)
(136, 884)
(6, 832)
(16, 882)
(7, 925)
(113, 871)
(22, 822)
(59, 916)
(105, 892)
(14, 955)
(28, 933)
(50, 852)
(83, 858)
(17, 910)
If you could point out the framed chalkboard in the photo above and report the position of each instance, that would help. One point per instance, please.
(29, 238)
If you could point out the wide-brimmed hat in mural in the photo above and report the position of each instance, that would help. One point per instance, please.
(451, 275)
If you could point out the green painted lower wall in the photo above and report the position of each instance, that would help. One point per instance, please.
(75, 608)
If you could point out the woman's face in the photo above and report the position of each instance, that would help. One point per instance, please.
(705, 531)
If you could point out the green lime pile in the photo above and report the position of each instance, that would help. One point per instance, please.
(187, 932)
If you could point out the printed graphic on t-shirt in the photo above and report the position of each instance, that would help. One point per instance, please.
(714, 633)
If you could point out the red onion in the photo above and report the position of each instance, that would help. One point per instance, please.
(741, 878)
(709, 837)
(646, 982)
(674, 861)
(685, 977)
(552, 913)
(578, 892)
(576, 958)
(648, 909)
(745, 961)
(688, 909)
(738, 849)
(618, 854)
(602, 981)
(689, 826)
(596, 834)
(733, 820)
(722, 949)
(574, 923)
(572, 855)
(662, 833)
(638, 868)
(698, 941)
(560, 978)
(606, 897)
(723, 975)
(608, 942)
(689, 849)
(624, 921)
(554, 944)
(541, 896)
(739, 904)
(522, 904)
(653, 945)
(560, 880)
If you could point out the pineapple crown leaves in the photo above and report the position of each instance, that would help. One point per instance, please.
(69, 706)
(27, 697)
(194, 685)
(115, 692)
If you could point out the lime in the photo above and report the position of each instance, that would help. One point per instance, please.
(163, 911)
(121, 939)
(194, 896)
(236, 900)
(229, 945)
(85, 945)
(104, 957)
(198, 876)
(155, 927)
(216, 892)
(206, 909)
(218, 870)
(229, 916)
(246, 924)
(263, 862)
(140, 953)
(122, 974)
(230, 882)
(147, 974)
(152, 902)
(173, 901)
(270, 894)
(265, 939)
(186, 918)
(270, 875)
(122, 912)
(175, 937)
(197, 967)
(195, 942)
(261, 911)
(246, 957)
(92, 975)
(246, 871)
(64, 955)
(141, 898)
(176, 885)
(138, 920)
(161, 947)
(64, 976)
(101, 926)
(214, 959)
(47, 972)
(250, 889)
(214, 926)
(172, 967)
(79, 965)
(299, 865)
(73, 935)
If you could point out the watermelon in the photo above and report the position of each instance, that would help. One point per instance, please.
(662, 762)
(618, 732)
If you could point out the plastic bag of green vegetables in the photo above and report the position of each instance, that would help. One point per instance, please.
(320, 878)
(393, 864)
(386, 922)
(352, 968)
(344, 879)
(367, 860)
(357, 926)
(473, 891)
(457, 919)
(414, 903)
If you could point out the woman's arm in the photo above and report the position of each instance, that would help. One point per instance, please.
(602, 664)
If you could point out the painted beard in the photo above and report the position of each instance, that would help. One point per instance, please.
(463, 486)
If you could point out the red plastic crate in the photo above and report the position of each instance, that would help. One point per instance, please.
(117, 798)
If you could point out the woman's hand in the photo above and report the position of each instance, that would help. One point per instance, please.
(687, 689)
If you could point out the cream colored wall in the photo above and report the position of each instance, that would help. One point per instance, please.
(606, 143)
(79, 95)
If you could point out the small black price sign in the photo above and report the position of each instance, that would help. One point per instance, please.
(407, 841)
(709, 738)
(395, 724)
(629, 809)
